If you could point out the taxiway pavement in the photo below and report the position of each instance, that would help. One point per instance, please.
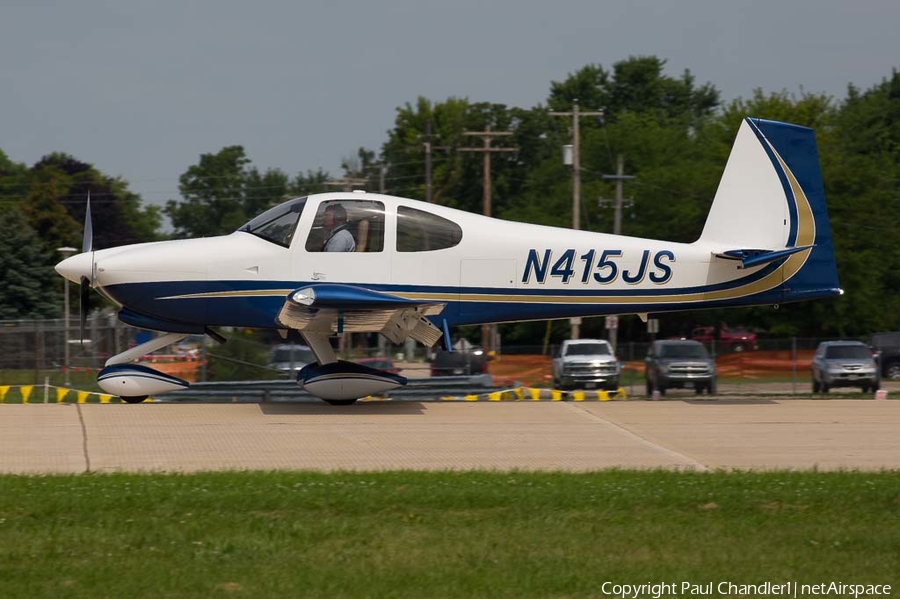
(574, 436)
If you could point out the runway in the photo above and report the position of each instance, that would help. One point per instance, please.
(672, 434)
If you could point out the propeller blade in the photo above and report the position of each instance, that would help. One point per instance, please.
(84, 295)
(88, 241)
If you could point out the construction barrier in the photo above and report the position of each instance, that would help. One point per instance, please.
(51, 393)
(536, 394)
(26, 394)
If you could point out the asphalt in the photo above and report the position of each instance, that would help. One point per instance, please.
(678, 433)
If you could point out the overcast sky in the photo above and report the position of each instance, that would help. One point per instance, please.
(141, 89)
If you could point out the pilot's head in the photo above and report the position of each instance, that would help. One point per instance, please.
(335, 216)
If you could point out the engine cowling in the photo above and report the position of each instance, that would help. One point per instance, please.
(346, 380)
(136, 380)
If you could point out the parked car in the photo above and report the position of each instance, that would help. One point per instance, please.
(679, 363)
(887, 349)
(585, 364)
(844, 364)
(379, 363)
(467, 361)
(290, 357)
(726, 339)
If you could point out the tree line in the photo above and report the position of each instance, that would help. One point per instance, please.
(674, 135)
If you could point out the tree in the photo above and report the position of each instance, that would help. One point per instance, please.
(404, 150)
(311, 182)
(213, 192)
(263, 190)
(117, 214)
(50, 220)
(456, 177)
(13, 178)
(636, 85)
(28, 285)
(222, 192)
(362, 165)
(861, 165)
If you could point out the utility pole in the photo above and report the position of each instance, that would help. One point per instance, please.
(576, 115)
(619, 177)
(488, 331)
(428, 147)
(487, 135)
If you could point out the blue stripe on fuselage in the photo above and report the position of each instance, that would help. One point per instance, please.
(256, 304)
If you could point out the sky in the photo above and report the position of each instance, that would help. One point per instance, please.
(142, 89)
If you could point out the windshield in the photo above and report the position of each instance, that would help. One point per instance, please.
(277, 224)
(847, 352)
(683, 350)
(588, 349)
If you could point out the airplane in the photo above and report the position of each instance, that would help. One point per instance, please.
(418, 269)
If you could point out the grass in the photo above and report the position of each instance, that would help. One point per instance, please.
(406, 534)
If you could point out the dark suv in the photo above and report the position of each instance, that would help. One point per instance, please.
(887, 348)
(679, 363)
(460, 362)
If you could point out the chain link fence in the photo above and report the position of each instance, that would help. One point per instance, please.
(35, 350)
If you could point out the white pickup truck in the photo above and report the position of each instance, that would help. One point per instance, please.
(585, 364)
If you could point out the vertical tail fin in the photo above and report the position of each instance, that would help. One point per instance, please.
(770, 206)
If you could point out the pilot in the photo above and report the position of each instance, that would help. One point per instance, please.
(339, 239)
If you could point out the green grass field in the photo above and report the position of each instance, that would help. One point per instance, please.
(407, 534)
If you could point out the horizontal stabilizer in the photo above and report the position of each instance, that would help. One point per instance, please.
(750, 258)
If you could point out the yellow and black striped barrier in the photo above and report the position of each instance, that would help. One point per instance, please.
(51, 394)
(536, 394)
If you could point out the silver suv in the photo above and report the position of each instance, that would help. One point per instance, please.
(679, 363)
(844, 364)
(586, 364)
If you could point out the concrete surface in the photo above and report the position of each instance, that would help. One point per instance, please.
(676, 433)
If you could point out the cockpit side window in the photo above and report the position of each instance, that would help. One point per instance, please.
(277, 224)
(347, 226)
(420, 231)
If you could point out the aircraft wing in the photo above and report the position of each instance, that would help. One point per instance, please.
(321, 310)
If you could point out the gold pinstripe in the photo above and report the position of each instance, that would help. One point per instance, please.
(242, 293)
